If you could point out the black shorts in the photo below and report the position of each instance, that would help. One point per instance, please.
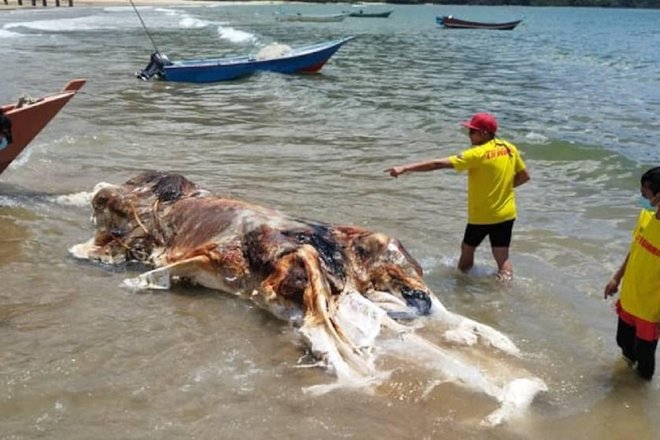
(499, 234)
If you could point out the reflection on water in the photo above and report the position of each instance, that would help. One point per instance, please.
(575, 89)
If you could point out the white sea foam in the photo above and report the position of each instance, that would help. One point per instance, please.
(481, 269)
(192, 23)
(536, 138)
(68, 24)
(429, 263)
(9, 34)
(22, 159)
(125, 8)
(235, 35)
(169, 11)
(81, 199)
(9, 202)
(112, 18)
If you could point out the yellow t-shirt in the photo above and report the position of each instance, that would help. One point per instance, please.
(491, 167)
(640, 291)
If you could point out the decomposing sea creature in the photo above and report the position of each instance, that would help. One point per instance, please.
(340, 285)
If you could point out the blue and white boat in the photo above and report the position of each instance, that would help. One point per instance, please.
(276, 58)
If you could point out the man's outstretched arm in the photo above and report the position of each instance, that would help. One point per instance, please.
(428, 165)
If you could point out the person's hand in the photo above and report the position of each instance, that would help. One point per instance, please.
(395, 171)
(611, 288)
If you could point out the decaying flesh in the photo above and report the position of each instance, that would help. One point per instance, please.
(302, 271)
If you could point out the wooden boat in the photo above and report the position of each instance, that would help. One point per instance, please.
(306, 59)
(28, 119)
(449, 21)
(310, 18)
(366, 13)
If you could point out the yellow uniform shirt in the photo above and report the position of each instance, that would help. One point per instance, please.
(640, 291)
(491, 167)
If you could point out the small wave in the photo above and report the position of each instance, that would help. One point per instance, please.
(9, 34)
(481, 269)
(430, 263)
(9, 202)
(235, 35)
(80, 199)
(193, 23)
(537, 138)
(168, 11)
(65, 24)
(22, 159)
(115, 18)
(124, 8)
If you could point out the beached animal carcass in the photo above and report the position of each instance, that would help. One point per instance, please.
(341, 285)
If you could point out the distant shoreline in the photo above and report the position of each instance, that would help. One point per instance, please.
(624, 4)
(27, 4)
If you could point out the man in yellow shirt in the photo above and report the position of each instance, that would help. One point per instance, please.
(639, 303)
(494, 168)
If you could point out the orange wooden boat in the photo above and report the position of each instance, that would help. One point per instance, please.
(29, 119)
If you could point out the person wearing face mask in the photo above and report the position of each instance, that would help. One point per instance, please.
(494, 168)
(5, 131)
(638, 307)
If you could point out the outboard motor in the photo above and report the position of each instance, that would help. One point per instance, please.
(155, 67)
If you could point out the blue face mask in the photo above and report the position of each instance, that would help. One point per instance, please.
(646, 204)
(3, 143)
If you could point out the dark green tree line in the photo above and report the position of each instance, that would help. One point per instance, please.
(650, 4)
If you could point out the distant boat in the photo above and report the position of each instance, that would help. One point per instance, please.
(29, 117)
(273, 58)
(368, 12)
(454, 23)
(310, 18)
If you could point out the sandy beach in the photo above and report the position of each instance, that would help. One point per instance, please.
(27, 4)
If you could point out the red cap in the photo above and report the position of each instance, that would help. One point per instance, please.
(482, 121)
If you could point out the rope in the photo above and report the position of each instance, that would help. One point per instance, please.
(137, 219)
(144, 25)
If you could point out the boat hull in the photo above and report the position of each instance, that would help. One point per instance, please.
(304, 59)
(311, 18)
(28, 120)
(454, 23)
(362, 14)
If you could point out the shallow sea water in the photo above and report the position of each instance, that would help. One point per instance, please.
(578, 90)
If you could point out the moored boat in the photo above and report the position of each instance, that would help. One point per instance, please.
(365, 12)
(274, 58)
(450, 22)
(30, 117)
(311, 18)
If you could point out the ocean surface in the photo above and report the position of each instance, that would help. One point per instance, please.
(577, 90)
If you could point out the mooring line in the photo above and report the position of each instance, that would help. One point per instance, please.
(144, 26)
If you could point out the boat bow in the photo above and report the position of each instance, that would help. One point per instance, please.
(29, 118)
